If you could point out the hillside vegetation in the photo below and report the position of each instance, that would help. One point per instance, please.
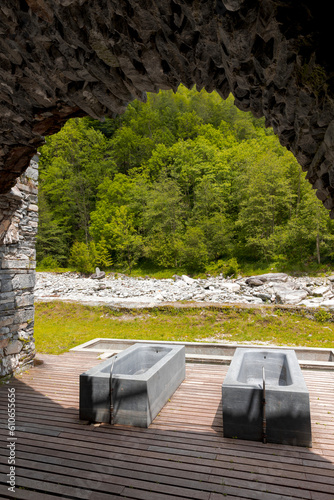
(183, 181)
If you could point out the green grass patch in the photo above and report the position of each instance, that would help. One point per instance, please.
(60, 326)
(45, 269)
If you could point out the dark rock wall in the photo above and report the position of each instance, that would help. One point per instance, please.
(65, 58)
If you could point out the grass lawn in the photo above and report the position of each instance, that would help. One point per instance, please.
(60, 326)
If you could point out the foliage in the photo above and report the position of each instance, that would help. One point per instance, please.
(184, 180)
(48, 262)
(102, 254)
(322, 316)
(228, 268)
(52, 239)
(82, 257)
(72, 165)
(193, 250)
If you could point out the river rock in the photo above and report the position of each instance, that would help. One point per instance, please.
(290, 296)
(312, 302)
(254, 281)
(187, 279)
(320, 291)
(264, 296)
(231, 287)
(272, 277)
(98, 275)
(329, 303)
(135, 292)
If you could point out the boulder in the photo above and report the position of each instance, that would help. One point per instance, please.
(262, 295)
(98, 275)
(312, 302)
(231, 287)
(320, 291)
(272, 277)
(187, 279)
(290, 296)
(328, 303)
(254, 281)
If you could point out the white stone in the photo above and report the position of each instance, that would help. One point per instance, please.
(313, 302)
(319, 291)
(231, 287)
(17, 264)
(33, 208)
(187, 279)
(272, 277)
(16, 193)
(291, 296)
(24, 336)
(328, 303)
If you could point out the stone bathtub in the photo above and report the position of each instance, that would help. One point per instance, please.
(144, 377)
(287, 407)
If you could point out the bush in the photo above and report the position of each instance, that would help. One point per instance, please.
(48, 262)
(322, 316)
(103, 258)
(81, 258)
(231, 268)
(227, 268)
(84, 258)
(193, 251)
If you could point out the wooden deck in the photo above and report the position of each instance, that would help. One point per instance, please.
(183, 454)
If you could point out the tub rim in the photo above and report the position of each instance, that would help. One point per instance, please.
(97, 370)
(298, 381)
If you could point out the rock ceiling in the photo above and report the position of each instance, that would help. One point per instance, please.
(66, 58)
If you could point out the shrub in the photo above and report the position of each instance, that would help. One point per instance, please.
(227, 268)
(99, 254)
(48, 262)
(81, 258)
(322, 316)
(193, 251)
(231, 268)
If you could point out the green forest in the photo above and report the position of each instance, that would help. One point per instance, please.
(183, 181)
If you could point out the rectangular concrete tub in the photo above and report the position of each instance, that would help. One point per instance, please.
(287, 405)
(144, 377)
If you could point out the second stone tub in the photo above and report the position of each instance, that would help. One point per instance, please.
(143, 378)
(285, 399)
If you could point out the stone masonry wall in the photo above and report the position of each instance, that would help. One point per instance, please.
(18, 228)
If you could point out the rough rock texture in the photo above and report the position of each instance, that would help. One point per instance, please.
(18, 227)
(124, 291)
(65, 58)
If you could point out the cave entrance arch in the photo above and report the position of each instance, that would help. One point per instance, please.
(67, 58)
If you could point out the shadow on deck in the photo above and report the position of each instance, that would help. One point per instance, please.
(182, 455)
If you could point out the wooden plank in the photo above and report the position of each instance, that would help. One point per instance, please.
(25, 494)
(183, 455)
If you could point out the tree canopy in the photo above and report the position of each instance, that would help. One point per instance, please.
(185, 179)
